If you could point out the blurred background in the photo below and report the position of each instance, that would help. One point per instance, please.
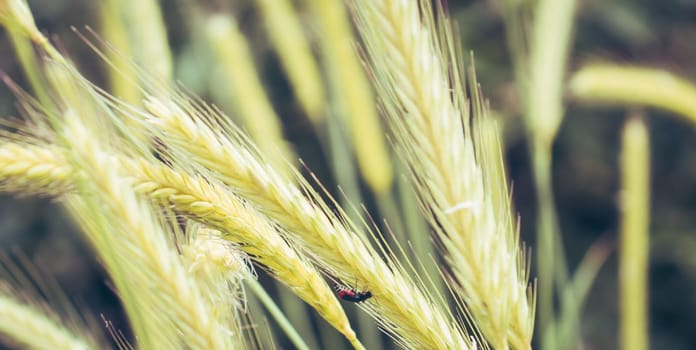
(660, 34)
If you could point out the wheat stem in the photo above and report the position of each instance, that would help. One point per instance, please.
(353, 94)
(634, 251)
(278, 315)
(634, 85)
(234, 56)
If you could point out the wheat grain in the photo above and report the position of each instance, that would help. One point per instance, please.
(218, 267)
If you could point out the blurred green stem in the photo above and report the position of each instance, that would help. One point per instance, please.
(389, 211)
(551, 38)
(546, 224)
(277, 314)
(634, 245)
(635, 85)
(577, 291)
(297, 313)
(419, 237)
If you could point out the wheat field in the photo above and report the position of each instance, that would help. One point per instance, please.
(335, 174)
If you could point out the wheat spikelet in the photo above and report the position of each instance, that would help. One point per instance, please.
(414, 62)
(33, 170)
(216, 263)
(402, 308)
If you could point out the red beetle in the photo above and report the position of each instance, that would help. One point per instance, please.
(350, 294)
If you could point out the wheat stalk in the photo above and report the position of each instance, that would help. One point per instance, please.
(352, 93)
(414, 63)
(401, 308)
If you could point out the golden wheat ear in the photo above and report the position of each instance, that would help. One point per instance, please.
(456, 167)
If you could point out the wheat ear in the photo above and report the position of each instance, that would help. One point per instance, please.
(196, 197)
(45, 170)
(459, 181)
(399, 305)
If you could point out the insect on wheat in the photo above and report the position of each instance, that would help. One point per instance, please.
(350, 294)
